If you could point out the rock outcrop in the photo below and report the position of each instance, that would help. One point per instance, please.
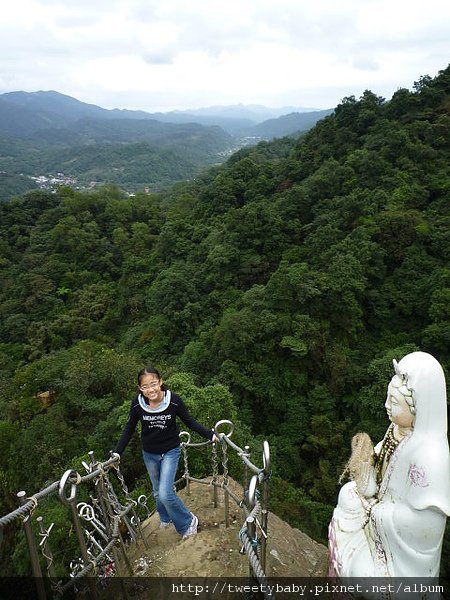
(214, 551)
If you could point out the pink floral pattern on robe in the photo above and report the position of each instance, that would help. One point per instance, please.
(417, 476)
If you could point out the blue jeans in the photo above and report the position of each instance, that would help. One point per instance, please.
(162, 469)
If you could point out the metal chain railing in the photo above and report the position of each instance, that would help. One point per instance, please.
(253, 534)
(100, 525)
(96, 526)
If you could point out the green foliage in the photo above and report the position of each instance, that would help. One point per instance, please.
(14, 185)
(293, 505)
(208, 404)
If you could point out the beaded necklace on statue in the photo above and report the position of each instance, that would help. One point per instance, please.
(387, 450)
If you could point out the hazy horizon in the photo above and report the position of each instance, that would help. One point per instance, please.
(193, 109)
(163, 56)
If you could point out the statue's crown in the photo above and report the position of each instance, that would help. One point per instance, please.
(404, 388)
(402, 374)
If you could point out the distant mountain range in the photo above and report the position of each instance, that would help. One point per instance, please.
(24, 113)
(240, 119)
(48, 132)
(252, 112)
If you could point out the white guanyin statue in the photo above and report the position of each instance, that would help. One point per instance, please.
(390, 518)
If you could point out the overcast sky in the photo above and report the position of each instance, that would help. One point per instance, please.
(177, 54)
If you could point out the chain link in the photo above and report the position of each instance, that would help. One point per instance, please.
(185, 460)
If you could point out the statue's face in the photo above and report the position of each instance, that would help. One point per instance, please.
(397, 408)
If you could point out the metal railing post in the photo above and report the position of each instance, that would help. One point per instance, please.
(265, 502)
(70, 501)
(32, 549)
(226, 495)
(247, 455)
(251, 531)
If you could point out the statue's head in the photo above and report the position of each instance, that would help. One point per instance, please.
(400, 403)
(424, 389)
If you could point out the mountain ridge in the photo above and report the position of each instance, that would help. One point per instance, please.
(53, 108)
(67, 106)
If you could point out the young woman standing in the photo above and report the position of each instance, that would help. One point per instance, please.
(157, 407)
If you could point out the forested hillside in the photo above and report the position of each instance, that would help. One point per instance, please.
(288, 124)
(275, 289)
(48, 135)
(131, 153)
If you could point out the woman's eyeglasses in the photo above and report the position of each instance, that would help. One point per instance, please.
(149, 386)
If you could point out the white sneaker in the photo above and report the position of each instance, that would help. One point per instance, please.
(163, 524)
(192, 529)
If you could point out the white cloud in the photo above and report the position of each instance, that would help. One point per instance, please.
(165, 54)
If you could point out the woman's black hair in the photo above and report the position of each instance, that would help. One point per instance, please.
(150, 371)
